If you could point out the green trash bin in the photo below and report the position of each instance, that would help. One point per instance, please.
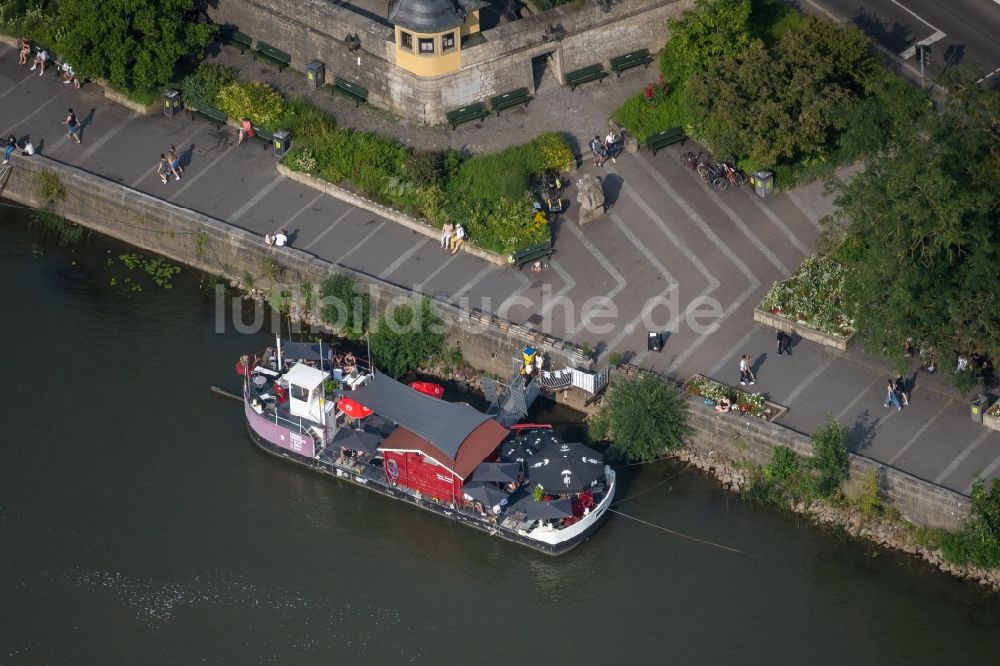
(282, 142)
(763, 183)
(977, 407)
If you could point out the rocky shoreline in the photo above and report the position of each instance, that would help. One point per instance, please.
(885, 532)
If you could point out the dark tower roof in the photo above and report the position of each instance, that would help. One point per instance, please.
(427, 15)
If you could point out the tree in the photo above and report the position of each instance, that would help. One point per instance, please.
(979, 541)
(715, 28)
(135, 45)
(344, 306)
(408, 337)
(829, 461)
(917, 232)
(642, 418)
(772, 106)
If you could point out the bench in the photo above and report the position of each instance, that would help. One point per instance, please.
(507, 100)
(279, 57)
(264, 134)
(466, 113)
(666, 138)
(237, 38)
(629, 60)
(531, 253)
(207, 112)
(352, 90)
(53, 59)
(591, 73)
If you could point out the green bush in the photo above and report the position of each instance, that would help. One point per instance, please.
(408, 338)
(203, 85)
(344, 306)
(642, 119)
(252, 99)
(829, 461)
(305, 121)
(642, 417)
(979, 541)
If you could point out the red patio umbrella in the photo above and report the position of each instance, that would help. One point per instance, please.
(353, 408)
(428, 388)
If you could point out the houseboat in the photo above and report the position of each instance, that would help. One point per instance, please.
(338, 416)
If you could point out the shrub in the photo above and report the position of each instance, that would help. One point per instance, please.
(642, 417)
(407, 337)
(253, 99)
(344, 306)
(869, 499)
(203, 85)
(829, 461)
(979, 541)
(503, 225)
(642, 119)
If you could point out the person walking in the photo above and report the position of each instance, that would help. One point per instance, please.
(73, 126)
(597, 148)
(784, 343)
(746, 370)
(900, 387)
(457, 239)
(9, 148)
(175, 162)
(890, 396)
(163, 169)
(446, 231)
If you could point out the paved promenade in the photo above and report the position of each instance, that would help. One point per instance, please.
(666, 237)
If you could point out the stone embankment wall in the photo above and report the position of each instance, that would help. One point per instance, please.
(315, 30)
(219, 248)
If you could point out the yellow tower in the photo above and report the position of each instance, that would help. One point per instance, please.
(429, 33)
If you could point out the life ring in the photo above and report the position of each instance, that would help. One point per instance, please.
(280, 393)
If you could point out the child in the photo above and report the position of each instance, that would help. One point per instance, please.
(22, 58)
(163, 169)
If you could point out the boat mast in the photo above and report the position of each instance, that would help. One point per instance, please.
(278, 338)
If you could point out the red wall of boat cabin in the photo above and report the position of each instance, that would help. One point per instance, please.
(421, 473)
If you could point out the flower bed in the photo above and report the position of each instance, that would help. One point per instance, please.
(749, 404)
(811, 297)
(991, 419)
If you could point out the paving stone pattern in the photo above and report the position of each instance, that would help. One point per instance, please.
(666, 236)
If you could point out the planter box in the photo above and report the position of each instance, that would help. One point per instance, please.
(804, 331)
(991, 420)
(777, 411)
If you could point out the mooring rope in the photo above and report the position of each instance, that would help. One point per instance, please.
(685, 536)
(652, 487)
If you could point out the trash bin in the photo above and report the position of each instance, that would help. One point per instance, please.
(763, 183)
(315, 74)
(282, 142)
(171, 103)
(655, 341)
(977, 407)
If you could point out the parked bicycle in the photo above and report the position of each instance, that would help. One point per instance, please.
(690, 161)
(713, 174)
(733, 174)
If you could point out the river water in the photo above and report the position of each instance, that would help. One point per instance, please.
(138, 524)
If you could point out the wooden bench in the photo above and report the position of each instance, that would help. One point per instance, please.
(279, 57)
(666, 138)
(349, 89)
(466, 113)
(531, 253)
(512, 98)
(262, 133)
(207, 112)
(629, 60)
(237, 38)
(591, 73)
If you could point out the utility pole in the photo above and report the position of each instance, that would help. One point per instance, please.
(923, 54)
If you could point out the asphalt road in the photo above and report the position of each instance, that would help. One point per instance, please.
(961, 33)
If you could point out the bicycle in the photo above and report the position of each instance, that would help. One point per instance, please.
(691, 161)
(733, 174)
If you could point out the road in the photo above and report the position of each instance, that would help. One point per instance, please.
(961, 33)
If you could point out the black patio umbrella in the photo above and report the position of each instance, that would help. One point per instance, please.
(496, 472)
(516, 451)
(536, 440)
(552, 510)
(565, 467)
(486, 493)
(356, 440)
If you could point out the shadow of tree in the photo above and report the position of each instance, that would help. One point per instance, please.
(861, 434)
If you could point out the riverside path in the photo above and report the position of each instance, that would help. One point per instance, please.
(666, 238)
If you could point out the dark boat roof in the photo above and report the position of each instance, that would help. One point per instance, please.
(444, 424)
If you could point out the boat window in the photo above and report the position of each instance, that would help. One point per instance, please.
(299, 393)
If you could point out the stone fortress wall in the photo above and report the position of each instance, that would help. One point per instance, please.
(315, 30)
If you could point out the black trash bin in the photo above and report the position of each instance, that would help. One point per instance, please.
(171, 103)
(655, 341)
(315, 74)
(282, 142)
